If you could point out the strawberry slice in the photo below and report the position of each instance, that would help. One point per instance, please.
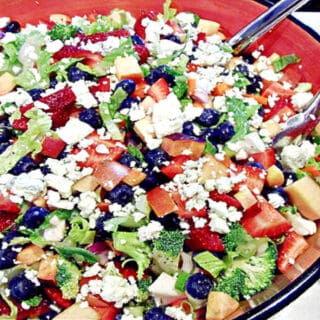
(7, 220)
(139, 28)
(200, 37)
(55, 295)
(52, 147)
(266, 158)
(7, 205)
(204, 239)
(159, 90)
(293, 245)
(229, 200)
(103, 85)
(142, 52)
(68, 51)
(183, 212)
(106, 310)
(103, 36)
(255, 179)
(263, 220)
(175, 166)
(283, 108)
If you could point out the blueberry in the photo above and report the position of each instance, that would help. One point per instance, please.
(5, 122)
(289, 175)
(7, 257)
(92, 117)
(188, 128)
(121, 194)
(169, 221)
(128, 102)
(34, 217)
(2, 34)
(36, 93)
(26, 164)
(5, 134)
(255, 84)
(151, 181)
(127, 85)
(156, 157)
(45, 169)
(4, 146)
(279, 165)
(208, 118)
(156, 313)
(75, 74)
(248, 58)
(261, 112)
(212, 134)
(129, 160)
(22, 288)
(199, 285)
(242, 68)
(48, 316)
(100, 232)
(162, 71)
(11, 235)
(256, 164)
(137, 40)
(225, 131)
(53, 81)
(13, 26)
(173, 38)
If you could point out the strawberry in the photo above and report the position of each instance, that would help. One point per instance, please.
(293, 245)
(55, 295)
(7, 220)
(33, 312)
(263, 220)
(229, 200)
(255, 178)
(139, 28)
(4, 308)
(68, 51)
(283, 104)
(201, 37)
(267, 158)
(204, 239)
(139, 92)
(52, 147)
(175, 166)
(142, 52)
(159, 90)
(103, 36)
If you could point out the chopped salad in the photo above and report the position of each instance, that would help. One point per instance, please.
(138, 178)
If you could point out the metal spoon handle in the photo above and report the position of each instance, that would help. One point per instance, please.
(263, 23)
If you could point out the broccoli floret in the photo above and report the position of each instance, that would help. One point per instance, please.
(143, 286)
(251, 263)
(68, 277)
(167, 249)
(129, 243)
(231, 283)
(62, 32)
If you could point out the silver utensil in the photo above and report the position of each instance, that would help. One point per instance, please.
(300, 125)
(263, 23)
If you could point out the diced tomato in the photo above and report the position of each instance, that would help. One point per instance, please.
(161, 201)
(266, 158)
(103, 36)
(293, 245)
(312, 170)
(204, 239)
(263, 220)
(175, 166)
(110, 173)
(55, 295)
(221, 88)
(292, 74)
(229, 200)
(33, 312)
(192, 67)
(183, 212)
(255, 179)
(278, 89)
(201, 37)
(52, 147)
(106, 310)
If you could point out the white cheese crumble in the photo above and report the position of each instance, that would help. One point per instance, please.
(178, 313)
(150, 232)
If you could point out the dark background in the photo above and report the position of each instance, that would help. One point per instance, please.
(313, 5)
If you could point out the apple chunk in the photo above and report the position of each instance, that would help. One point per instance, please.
(128, 68)
(305, 195)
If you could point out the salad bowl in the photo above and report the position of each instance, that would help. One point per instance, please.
(287, 38)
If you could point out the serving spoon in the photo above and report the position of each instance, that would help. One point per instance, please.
(263, 23)
(300, 125)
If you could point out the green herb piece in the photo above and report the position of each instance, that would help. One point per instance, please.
(62, 32)
(168, 13)
(207, 261)
(241, 81)
(33, 302)
(28, 142)
(80, 231)
(282, 62)
(79, 254)
(135, 152)
(209, 148)
(303, 87)
(181, 281)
